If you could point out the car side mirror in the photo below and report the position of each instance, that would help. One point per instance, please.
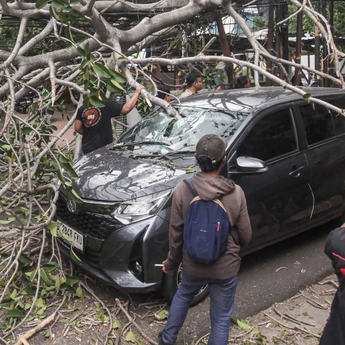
(250, 165)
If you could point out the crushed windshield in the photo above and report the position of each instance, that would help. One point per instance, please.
(172, 134)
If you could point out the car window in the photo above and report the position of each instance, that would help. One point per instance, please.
(318, 123)
(271, 137)
(339, 120)
(173, 134)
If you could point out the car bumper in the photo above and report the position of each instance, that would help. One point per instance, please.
(111, 263)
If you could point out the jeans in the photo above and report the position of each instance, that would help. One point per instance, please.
(222, 298)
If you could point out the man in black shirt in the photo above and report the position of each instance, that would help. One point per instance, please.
(95, 125)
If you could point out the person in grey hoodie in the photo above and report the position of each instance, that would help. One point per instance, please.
(221, 275)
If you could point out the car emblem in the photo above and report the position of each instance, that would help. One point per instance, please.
(71, 206)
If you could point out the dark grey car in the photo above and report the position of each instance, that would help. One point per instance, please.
(286, 154)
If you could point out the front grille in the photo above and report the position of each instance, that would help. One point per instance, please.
(91, 256)
(96, 225)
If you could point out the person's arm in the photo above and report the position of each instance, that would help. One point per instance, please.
(132, 102)
(243, 222)
(175, 232)
(78, 126)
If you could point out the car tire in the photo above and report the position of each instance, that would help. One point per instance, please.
(171, 283)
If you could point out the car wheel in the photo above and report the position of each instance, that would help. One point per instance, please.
(172, 281)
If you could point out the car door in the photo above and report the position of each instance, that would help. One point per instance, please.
(325, 142)
(278, 199)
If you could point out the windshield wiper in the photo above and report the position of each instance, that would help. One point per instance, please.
(133, 143)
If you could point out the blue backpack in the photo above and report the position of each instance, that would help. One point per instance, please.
(206, 228)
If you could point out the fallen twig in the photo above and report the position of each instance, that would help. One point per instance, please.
(292, 319)
(105, 308)
(147, 338)
(202, 338)
(45, 322)
(330, 282)
(31, 332)
(315, 303)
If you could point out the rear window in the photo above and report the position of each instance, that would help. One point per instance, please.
(321, 123)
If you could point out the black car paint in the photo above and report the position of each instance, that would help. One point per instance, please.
(278, 209)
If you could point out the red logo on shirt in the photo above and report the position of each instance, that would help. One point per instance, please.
(91, 116)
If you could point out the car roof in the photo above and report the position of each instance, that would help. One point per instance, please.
(247, 100)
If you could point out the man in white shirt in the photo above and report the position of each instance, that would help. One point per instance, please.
(194, 84)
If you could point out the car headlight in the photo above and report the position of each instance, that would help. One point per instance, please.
(141, 208)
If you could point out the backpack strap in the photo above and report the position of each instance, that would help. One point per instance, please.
(190, 186)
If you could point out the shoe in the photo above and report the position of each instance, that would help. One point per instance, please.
(160, 340)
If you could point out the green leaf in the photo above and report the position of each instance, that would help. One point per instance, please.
(41, 311)
(74, 2)
(117, 85)
(52, 226)
(24, 259)
(243, 325)
(131, 337)
(328, 301)
(116, 324)
(68, 33)
(71, 281)
(16, 313)
(79, 292)
(40, 303)
(8, 221)
(101, 70)
(70, 170)
(46, 277)
(50, 266)
(53, 13)
(59, 4)
(306, 96)
(41, 4)
(87, 48)
(47, 335)
(14, 294)
(118, 77)
(75, 194)
(30, 274)
(96, 102)
(75, 255)
(63, 159)
(111, 87)
(81, 51)
(162, 315)
(6, 302)
(57, 282)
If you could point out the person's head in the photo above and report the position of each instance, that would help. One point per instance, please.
(194, 80)
(242, 82)
(210, 153)
(164, 93)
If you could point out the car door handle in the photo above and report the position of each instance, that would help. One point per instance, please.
(296, 172)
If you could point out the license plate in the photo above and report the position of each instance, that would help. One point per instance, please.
(71, 236)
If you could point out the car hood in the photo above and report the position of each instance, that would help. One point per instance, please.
(108, 175)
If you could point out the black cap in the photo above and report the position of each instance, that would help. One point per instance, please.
(211, 146)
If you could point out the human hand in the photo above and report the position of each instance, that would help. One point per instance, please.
(139, 88)
(164, 269)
